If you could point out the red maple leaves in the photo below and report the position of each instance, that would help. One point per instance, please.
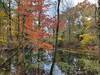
(31, 9)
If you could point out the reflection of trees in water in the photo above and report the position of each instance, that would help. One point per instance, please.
(56, 70)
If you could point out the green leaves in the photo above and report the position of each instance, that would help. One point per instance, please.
(64, 66)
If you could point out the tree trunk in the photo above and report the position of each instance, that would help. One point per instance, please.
(56, 40)
(20, 65)
(20, 68)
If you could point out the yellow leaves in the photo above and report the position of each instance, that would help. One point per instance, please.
(3, 41)
(60, 38)
(2, 14)
(14, 33)
(87, 38)
(87, 24)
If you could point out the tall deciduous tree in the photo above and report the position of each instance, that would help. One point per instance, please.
(31, 18)
(56, 40)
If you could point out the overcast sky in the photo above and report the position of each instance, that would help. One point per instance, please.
(67, 3)
(77, 1)
(92, 1)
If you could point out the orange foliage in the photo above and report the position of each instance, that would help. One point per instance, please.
(31, 13)
(46, 46)
(28, 23)
(20, 18)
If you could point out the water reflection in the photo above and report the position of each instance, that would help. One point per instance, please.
(56, 70)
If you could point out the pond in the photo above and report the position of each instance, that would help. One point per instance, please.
(56, 70)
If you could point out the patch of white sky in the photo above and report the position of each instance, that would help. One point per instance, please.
(78, 1)
(65, 4)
